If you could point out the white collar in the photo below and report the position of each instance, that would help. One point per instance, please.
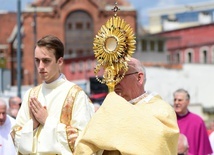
(137, 99)
(145, 97)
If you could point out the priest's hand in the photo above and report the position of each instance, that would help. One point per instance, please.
(35, 122)
(39, 112)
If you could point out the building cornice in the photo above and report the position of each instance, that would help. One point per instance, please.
(181, 8)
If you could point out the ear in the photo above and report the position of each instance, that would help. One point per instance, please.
(60, 61)
(188, 102)
(140, 77)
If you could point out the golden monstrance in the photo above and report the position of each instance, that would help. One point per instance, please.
(113, 46)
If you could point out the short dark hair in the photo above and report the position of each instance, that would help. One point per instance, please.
(52, 43)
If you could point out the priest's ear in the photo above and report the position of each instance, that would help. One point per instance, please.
(140, 77)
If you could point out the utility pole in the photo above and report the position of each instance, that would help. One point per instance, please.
(35, 40)
(18, 53)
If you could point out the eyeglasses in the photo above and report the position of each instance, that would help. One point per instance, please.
(121, 76)
(131, 73)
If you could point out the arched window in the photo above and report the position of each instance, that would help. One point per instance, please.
(177, 58)
(189, 56)
(204, 54)
(211, 55)
(81, 66)
(72, 67)
(79, 34)
(89, 65)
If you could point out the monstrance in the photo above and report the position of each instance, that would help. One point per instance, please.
(113, 46)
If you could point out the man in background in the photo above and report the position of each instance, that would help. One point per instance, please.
(191, 125)
(14, 106)
(6, 123)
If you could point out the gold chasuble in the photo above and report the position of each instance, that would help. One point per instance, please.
(147, 128)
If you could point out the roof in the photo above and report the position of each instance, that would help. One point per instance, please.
(198, 6)
(100, 3)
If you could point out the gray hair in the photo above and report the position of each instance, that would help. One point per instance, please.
(183, 142)
(143, 70)
(3, 102)
(138, 66)
(181, 90)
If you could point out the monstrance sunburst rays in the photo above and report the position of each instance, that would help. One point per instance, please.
(113, 46)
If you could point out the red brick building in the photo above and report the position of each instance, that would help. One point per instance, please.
(75, 22)
(190, 45)
(8, 22)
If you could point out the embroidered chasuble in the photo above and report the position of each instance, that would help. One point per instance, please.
(118, 127)
(52, 138)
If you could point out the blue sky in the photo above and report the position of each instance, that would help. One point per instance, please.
(11, 5)
(141, 5)
(144, 5)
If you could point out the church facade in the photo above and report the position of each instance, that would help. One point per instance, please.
(75, 22)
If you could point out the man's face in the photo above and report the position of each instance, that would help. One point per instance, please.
(131, 86)
(47, 66)
(3, 114)
(13, 110)
(15, 103)
(180, 103)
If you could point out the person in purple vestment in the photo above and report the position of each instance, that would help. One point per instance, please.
(191, 125)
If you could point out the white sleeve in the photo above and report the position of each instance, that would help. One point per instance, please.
(81, 114)
(24, 140)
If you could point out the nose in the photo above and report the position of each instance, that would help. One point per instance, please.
(1, 116)
(40, 65)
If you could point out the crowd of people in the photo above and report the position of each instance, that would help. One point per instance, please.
(55, 117)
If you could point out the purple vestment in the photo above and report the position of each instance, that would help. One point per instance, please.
(194, 128)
